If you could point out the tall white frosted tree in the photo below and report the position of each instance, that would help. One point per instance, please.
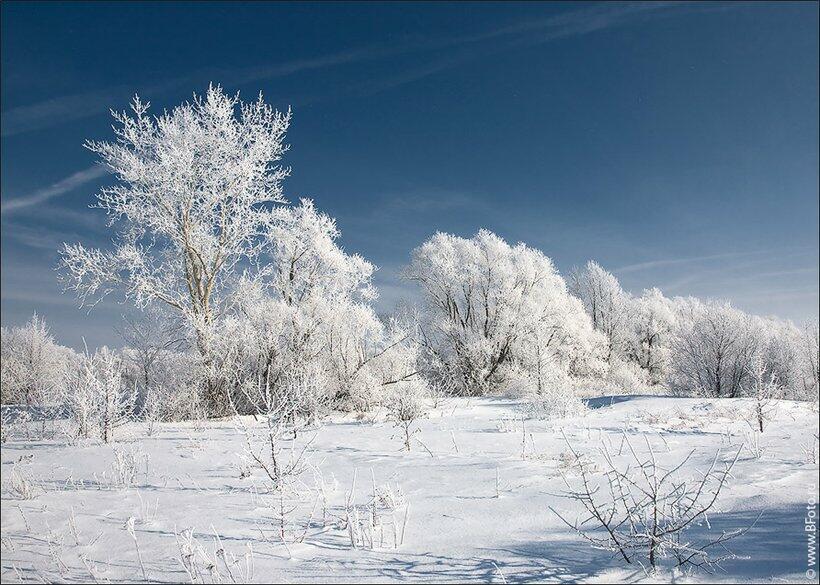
(197, 189)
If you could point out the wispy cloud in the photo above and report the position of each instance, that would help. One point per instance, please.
(38, 237)
(589, 19)
(664, 262)
(66, 108)
(779, 294)
(59, 110)
(792, 272)
(59, 188)
(530, 32)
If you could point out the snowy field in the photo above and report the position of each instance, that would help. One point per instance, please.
(470, 502)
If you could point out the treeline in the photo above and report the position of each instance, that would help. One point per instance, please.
(247, 299)
(494, 319)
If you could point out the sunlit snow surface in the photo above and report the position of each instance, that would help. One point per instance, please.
(460, 526)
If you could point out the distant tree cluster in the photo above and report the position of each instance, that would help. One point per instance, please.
(693, 346)
(247, 303)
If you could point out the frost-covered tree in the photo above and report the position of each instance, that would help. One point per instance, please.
(331, 293)
(307, 263)
(778, 350)
(191, 208)
(149, 336)
(808, 355)
(310, 319)
(488, 304)
(723, 352)
(607, 304)
(652, 321)
(712, 349)
(33, 363)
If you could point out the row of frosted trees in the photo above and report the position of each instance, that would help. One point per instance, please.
(244, 298)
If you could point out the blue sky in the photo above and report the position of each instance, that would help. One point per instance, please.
(676, 144)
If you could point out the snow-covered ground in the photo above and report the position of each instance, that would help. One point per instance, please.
(476, 491)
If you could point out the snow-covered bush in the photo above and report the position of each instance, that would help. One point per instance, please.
(177, 391)
(117, 400)
(217, 565)
(80, 398)
(21, 485)
(553, 398)
(398, 361)
(382, 521)
(128, 462)
(765, 388)
(305, 388)
(627, 377)
(357, 339)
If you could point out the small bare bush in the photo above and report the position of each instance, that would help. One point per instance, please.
(381, 521)
(216, 565)
(127, 464)
(643, 511)
(21, 484)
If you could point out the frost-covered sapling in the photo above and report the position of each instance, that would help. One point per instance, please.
(117, 400)
(272, 447)
(97, 395)
(81, 398)
(406, 402)
(765, 389)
